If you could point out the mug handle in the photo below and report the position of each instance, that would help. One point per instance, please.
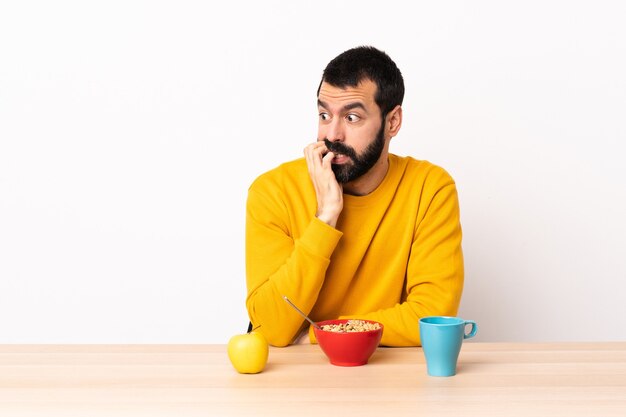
(473, 330)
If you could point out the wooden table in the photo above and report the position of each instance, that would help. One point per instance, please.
(563, 379)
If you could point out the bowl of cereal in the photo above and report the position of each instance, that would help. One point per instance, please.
(348, 342)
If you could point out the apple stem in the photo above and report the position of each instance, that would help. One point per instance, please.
(254, 328)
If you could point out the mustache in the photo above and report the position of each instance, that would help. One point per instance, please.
(338, 147)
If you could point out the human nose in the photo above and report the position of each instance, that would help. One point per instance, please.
(334, 131)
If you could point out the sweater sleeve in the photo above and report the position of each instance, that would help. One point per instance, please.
(278, 264)
(435, 272)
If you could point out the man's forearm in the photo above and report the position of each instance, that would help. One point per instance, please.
(278, 266)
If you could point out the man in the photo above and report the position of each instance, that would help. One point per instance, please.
(351, 230)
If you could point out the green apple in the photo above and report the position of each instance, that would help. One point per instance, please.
(248, 352)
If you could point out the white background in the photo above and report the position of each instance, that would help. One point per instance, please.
(130, 131)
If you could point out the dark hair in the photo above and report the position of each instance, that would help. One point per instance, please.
(366, 62)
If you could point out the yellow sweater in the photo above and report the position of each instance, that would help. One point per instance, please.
(395, 255)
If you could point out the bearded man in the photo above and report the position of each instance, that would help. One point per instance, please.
(351, 230)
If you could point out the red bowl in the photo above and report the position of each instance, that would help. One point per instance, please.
(348, 348)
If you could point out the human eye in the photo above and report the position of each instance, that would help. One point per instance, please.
(352, 118)
(324, 116)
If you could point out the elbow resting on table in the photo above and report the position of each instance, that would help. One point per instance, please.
(275, 335)
(278, 339)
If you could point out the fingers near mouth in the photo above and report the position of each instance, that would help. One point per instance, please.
(339, 158)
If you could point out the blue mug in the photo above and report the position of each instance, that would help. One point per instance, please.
(442, 338)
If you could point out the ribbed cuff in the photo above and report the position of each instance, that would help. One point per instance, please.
(320, 238)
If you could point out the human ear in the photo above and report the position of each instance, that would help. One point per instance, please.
(394, 121)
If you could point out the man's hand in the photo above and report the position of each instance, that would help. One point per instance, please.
(328, 191)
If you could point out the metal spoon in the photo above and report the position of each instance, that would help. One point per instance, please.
(301, 313)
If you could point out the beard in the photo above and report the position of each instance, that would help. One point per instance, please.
(360, 164)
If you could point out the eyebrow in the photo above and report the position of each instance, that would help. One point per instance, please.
(349, 106)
